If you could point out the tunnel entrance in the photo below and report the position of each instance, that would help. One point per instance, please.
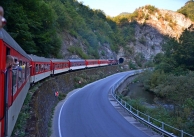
(121, 60)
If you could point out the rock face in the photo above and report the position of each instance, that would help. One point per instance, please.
(168, 22)
(68, 41)
(148, 41)
(153, 28)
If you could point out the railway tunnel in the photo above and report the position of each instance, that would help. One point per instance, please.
(121, 60)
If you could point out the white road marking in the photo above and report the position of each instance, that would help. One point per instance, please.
(59, 119)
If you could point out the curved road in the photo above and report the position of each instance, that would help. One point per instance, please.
(89, 113)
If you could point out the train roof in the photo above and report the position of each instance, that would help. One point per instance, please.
(59, 60)
(39, 59)
(92, 59)
(12, 43)
(76, 60)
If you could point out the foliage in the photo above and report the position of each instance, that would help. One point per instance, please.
(37, 24)
(77, 50)
(142, 40)
(178, 56)
(149, 64)
(188, 10)
(139, 59)
(61, 96)
(176, 90)
(151, 9)
(19, 129)
(178, 116)
(173, 78)
(132, 65)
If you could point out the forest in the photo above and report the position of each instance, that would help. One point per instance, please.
(37, 24)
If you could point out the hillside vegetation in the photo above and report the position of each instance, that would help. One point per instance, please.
(36, 25)
(172, 79)
(188, 10)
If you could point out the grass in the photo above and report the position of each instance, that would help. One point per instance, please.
(19, 129)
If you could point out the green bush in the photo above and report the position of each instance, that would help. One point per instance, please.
(132, 65)
(77, 50)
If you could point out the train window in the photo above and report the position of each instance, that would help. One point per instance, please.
(36, 68)
(39, 68)
(42, 67)
(20, 75)
(23, 71)
(14, 80)
(48, 67)
(28, 69)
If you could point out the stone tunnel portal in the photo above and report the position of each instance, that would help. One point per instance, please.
(121, 60)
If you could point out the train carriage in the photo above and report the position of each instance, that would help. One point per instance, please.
(75, 64)
(103, 62)
(40, 69)
(113, 62)
(92, 63)
(14, 83)
(59, 66)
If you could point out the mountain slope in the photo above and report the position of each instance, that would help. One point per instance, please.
(188, 10)
(154, 26)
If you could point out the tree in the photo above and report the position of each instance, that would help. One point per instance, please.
(184, 52)
(188, 10)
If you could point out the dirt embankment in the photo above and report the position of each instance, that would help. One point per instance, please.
(44, 101)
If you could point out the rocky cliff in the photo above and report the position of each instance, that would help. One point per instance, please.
(154, 26)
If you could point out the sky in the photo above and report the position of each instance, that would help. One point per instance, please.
(115, 7)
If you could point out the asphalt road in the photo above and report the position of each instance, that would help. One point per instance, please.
(89, 113)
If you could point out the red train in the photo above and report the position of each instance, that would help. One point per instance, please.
(15, 83)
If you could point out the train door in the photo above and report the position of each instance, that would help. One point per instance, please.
(8, 92)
